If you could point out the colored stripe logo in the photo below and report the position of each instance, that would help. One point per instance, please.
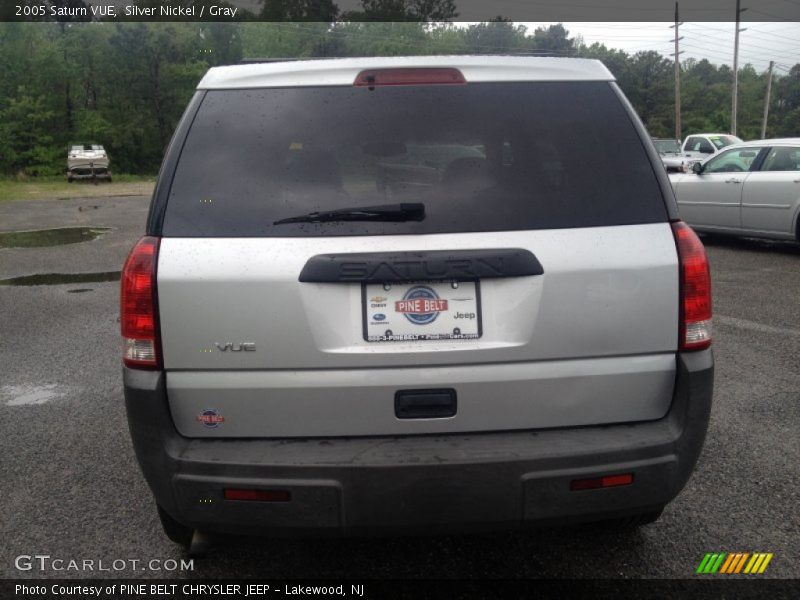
(734, 562)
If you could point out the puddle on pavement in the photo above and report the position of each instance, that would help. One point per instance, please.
(50, 237)
(22, 395)
(61, 278)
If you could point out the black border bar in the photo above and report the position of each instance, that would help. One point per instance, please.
(539, 11)
(728, 587)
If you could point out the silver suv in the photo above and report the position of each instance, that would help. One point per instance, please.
(408, 294)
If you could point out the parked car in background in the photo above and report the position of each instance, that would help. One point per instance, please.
(751, 189)
(87, 161)
(419, 167)
(671, 154)
(703, 145)
(441, 310)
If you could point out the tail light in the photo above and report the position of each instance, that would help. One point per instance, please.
(138, 314)
(695, 289)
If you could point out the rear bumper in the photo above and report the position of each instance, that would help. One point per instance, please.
(426, 483)
(88, 173)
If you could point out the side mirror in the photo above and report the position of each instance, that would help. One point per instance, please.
(697, 168)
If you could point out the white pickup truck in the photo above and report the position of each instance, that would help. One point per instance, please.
(704, 145)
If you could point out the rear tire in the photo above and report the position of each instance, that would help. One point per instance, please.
(177, 532)
(797, 230)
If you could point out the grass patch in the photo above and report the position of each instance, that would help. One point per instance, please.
(57, 188)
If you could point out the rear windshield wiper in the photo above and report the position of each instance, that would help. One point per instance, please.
(414, 211)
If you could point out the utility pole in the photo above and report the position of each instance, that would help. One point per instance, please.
(735, 99)
(677, 78)
(766, 101)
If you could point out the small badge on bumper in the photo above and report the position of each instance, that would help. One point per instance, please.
(210, 418)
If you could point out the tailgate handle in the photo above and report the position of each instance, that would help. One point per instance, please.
(425, 404)
(444, 265)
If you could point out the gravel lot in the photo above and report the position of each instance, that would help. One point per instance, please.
(72, 489)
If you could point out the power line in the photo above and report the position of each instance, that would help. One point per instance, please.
(772, 34)
(697, 46)
(747, 48)
(752, 46)
(752, 54)
(728, 39)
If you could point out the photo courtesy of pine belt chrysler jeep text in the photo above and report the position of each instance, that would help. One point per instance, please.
(383, 295)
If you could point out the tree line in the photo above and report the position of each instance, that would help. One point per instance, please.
(126, 84)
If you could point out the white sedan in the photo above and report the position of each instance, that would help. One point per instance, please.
(750, 189)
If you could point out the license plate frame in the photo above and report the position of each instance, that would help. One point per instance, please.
(403, 328)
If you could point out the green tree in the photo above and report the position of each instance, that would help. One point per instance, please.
(160, 71)
(495, 37)
(221, 43)
(553, 39)
(649, 84)
(25, 144)
(616, 61)
(283, 40)
(785, 115)
(125, 85)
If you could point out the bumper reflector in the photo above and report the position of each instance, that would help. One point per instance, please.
(601, 482)
(258, 495)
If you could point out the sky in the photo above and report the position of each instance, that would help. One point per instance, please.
(759, 42)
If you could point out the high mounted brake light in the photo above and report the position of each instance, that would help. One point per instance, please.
(138, 315)
(695, 289)
(414, 76)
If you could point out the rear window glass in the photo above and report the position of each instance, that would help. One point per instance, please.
(667, 146)
(720, 141)
(480, 157)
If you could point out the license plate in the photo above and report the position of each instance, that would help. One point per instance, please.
(422, 310)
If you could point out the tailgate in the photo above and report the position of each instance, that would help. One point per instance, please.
(604, 291)
(590, 340)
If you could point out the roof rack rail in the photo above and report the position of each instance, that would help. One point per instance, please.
(250, 61)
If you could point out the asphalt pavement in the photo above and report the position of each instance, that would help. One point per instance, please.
(72, 489)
